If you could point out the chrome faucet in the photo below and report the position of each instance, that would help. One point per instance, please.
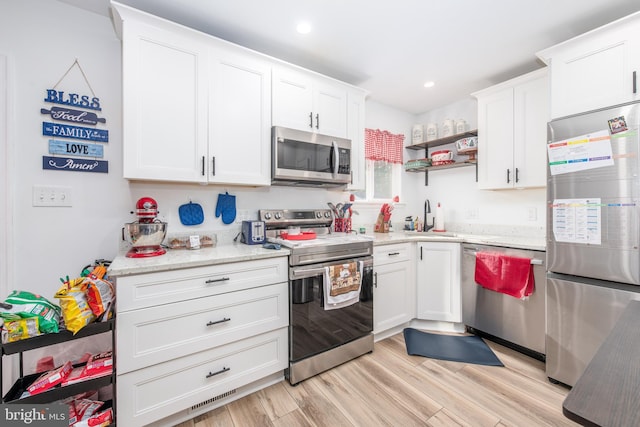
(427, 210)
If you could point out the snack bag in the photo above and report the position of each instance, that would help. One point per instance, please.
(75, 308)
(50, 379)
(26, 304)
(21, 329)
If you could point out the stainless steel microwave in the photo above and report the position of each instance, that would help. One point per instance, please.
(309, 159)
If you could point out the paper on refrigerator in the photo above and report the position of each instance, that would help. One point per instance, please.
(577, 221)
(583, 152)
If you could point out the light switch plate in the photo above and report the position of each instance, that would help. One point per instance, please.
(52, 196)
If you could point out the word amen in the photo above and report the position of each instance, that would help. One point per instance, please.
(58, 97)
(70, 164)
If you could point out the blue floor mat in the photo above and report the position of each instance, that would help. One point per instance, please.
(458, 348)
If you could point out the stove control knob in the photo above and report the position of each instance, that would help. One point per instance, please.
(267, 215)
(277, 215)
(327, 214)
(318, 214)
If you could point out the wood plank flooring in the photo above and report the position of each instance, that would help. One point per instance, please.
(391, 388)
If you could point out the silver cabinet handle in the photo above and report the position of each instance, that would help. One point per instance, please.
(222, 279)
(375, 279)
(221, 371)
(317, 121)
(226, 319)
(311, 119)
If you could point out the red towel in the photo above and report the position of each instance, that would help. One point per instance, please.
(506, 274)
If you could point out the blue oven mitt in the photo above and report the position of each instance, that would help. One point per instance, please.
(226, 207)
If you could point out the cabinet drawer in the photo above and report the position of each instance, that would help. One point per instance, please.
(165, 287)
(158, 334)
(161, 390)
(391, 253)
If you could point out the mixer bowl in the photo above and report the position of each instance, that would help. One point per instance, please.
(142, 235)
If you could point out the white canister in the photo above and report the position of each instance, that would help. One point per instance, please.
(417, 134)
(448, 127)
(432, 131)
(461, 126)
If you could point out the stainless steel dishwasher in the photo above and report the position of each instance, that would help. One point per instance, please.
(518, 323)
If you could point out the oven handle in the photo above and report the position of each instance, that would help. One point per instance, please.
(310, 271)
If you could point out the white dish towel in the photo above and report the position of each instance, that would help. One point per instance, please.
(342, 284)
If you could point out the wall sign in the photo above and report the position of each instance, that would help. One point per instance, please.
(78, 165)
(75, 132)
(74, 115)
(69, 148)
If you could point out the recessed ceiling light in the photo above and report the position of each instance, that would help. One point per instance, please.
(429, 84)
(304, 28)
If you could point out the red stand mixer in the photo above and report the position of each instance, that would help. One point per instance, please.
(147, 233)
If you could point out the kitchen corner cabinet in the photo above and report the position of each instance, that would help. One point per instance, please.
(512, 133)
(595, 70)
(438, 292)
(195, 109)
(193, 339)
(394, 286)
(308, 102)
(58, 392)
(355, 132)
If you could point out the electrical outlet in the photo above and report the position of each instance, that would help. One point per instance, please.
(51, 195)
(472, 213)
(532, 213)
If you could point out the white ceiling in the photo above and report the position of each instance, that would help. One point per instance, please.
(392, 48)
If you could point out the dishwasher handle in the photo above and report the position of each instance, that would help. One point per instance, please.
(473, 251)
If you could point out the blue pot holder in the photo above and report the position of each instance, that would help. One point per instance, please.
(191, 214)
(226, 207)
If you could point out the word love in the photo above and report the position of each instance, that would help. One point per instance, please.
(78, 165)
(73, 99)
(75, 148)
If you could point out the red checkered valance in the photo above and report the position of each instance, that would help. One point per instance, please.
(383, 145)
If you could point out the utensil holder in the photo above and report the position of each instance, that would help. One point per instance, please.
(342, 225)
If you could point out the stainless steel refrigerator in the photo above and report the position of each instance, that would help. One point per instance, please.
(593, 233)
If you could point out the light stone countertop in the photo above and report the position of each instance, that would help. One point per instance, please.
(184, 258)
(519, 242)
(176, 259)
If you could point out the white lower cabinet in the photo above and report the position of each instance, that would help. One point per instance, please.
(394, 286)
(438, 282)
(189, 337)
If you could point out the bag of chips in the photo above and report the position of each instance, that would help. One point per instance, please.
(26, 304)
(76, 311)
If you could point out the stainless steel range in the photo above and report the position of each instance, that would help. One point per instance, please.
(330, 290)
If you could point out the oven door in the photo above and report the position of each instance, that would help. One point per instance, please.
(300, 156)
(313, 329)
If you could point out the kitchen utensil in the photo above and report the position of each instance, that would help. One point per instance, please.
(191, 214)
(339, 207)
(146, 234)
(333, 209)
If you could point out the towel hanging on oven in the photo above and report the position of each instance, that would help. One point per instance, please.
(342, 283)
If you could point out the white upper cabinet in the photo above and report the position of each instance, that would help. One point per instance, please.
(512, 133)
(240, 119)
(165, 95)
(355, 132)
(195, 109)
(596, 69)
(307, 102)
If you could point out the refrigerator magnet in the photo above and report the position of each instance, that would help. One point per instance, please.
(619, 124)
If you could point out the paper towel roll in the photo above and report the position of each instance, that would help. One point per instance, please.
(439, 221)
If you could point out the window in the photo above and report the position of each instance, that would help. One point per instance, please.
(383, 154)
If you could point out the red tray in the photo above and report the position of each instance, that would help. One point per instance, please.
(305, 235)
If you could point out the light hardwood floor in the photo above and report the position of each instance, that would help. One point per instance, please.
(390, 388)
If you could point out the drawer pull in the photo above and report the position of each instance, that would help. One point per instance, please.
(226, 319)
(221, 371)
(393, 253)
(223, 279)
